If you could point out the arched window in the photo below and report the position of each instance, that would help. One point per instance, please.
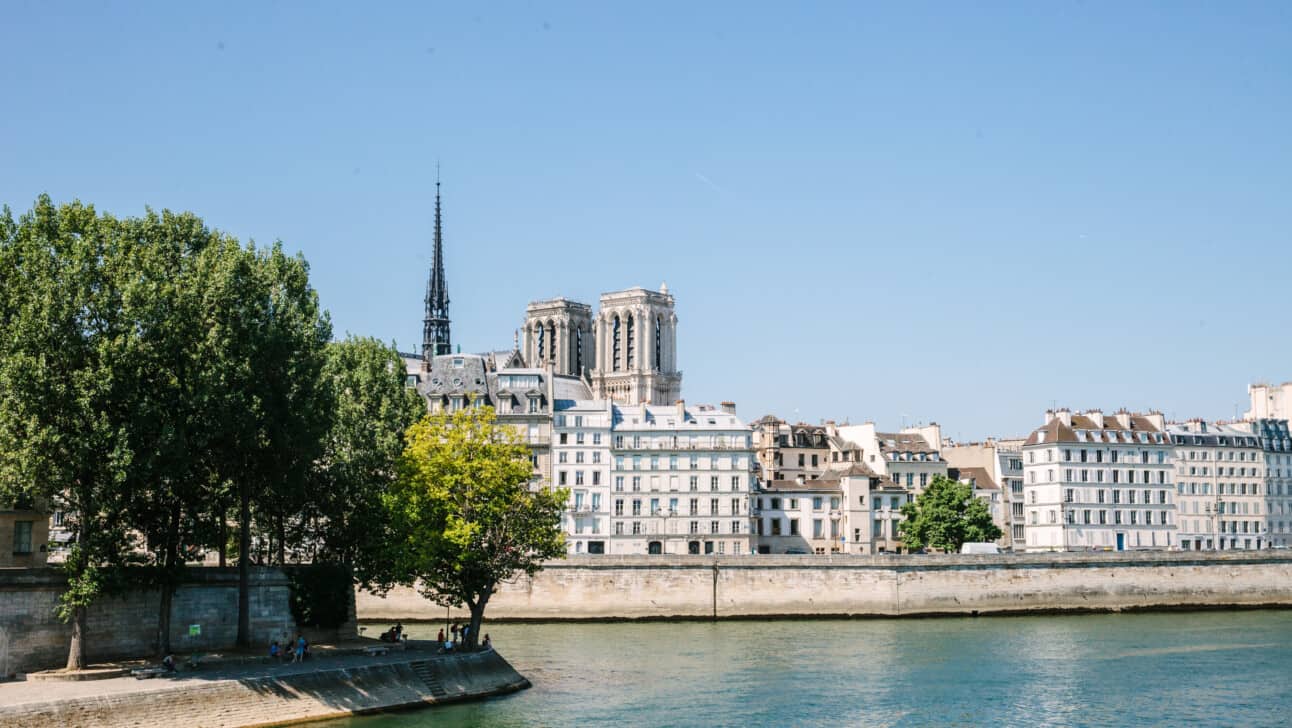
(614, 359)
(578, 350)
(659, 338)
(551, 344)
(542, 341)
(632, 350)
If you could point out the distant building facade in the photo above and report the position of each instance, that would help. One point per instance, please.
(1001, 462)
(1099, 482)
(1269, 402)
(681, 480)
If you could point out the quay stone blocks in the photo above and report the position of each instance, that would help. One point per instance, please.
(660, 587)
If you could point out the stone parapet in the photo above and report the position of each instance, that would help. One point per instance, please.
(699, 587)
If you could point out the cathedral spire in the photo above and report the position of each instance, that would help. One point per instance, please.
(435, 326)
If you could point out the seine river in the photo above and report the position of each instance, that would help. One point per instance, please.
(1213, 668)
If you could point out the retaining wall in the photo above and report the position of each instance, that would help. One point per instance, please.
(279, 700)
(126, 625)
(656, 587)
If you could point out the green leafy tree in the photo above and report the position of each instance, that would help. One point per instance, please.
(66, 389)
(945, 516)
(464, 514)
(372, 408)
(171, 257)
(269, 413)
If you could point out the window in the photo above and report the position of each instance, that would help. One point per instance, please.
(560, 475)
(924, 479)
(619, 483)
(818, 528)
(794, 527)
(22, 537)
(735, 482)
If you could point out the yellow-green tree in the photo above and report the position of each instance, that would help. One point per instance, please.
(463, 516)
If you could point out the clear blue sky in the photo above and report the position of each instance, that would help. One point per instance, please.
(947, 211)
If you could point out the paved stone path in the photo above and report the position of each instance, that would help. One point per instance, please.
(215, 668)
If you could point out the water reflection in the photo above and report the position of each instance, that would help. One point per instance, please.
(1131, 669)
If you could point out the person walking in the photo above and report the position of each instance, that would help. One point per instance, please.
(298, 655)
(440, 638)
(454, 630)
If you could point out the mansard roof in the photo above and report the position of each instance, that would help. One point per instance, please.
(903, 442)
(979, 477)
(1086, 430)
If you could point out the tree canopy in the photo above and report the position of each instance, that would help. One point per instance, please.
(154, 375)
(464, 513)
(945, 516)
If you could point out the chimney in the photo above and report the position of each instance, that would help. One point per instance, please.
(1065, 416)
(728, 408)
(1097, 416)
(681, 410)
(1123, 419)
(1157, 419)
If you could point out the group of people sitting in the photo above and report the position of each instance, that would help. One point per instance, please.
(460, 631)
(298, 650)
(394, 634)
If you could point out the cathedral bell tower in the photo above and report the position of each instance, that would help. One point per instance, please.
(636, 357)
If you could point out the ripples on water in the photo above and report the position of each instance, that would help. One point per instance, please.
(1212, 668)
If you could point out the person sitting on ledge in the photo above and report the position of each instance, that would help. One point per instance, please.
(274, 651)
(487, 644)
(168, 662)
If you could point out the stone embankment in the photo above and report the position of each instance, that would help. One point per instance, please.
(277, 695)
(699, 587)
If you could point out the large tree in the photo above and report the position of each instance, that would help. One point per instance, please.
(67, 387)
(371, 409)
(464, 513)
(944, 516)
(270, 410)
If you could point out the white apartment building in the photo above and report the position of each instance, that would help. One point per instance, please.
(581, 463)
(847, 509)
(1220, 486)
(1276, 446)
(681, 480)
(1099, 482)
(909, 458)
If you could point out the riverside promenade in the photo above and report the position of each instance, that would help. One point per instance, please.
(239, 693)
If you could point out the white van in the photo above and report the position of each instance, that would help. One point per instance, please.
(979, 548)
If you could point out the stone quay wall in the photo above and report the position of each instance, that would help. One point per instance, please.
(414, 681)
(699, 587)
(125, 626)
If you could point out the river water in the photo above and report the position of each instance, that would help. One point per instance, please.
(1213, 668)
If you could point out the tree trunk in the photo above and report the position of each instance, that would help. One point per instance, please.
(76, 654)
(282, 541)
(163, 622)
(477, 618)
(224, 538)
(170, 562)
(244, 566)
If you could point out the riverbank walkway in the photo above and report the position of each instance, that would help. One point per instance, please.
(242, 690)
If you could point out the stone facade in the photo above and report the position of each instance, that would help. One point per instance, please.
(1099, 482)
(24, 538)
(1220, 484)
(681, 480)
(1270, 402)
(636, 335)
(751, 586)
(126, 626)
